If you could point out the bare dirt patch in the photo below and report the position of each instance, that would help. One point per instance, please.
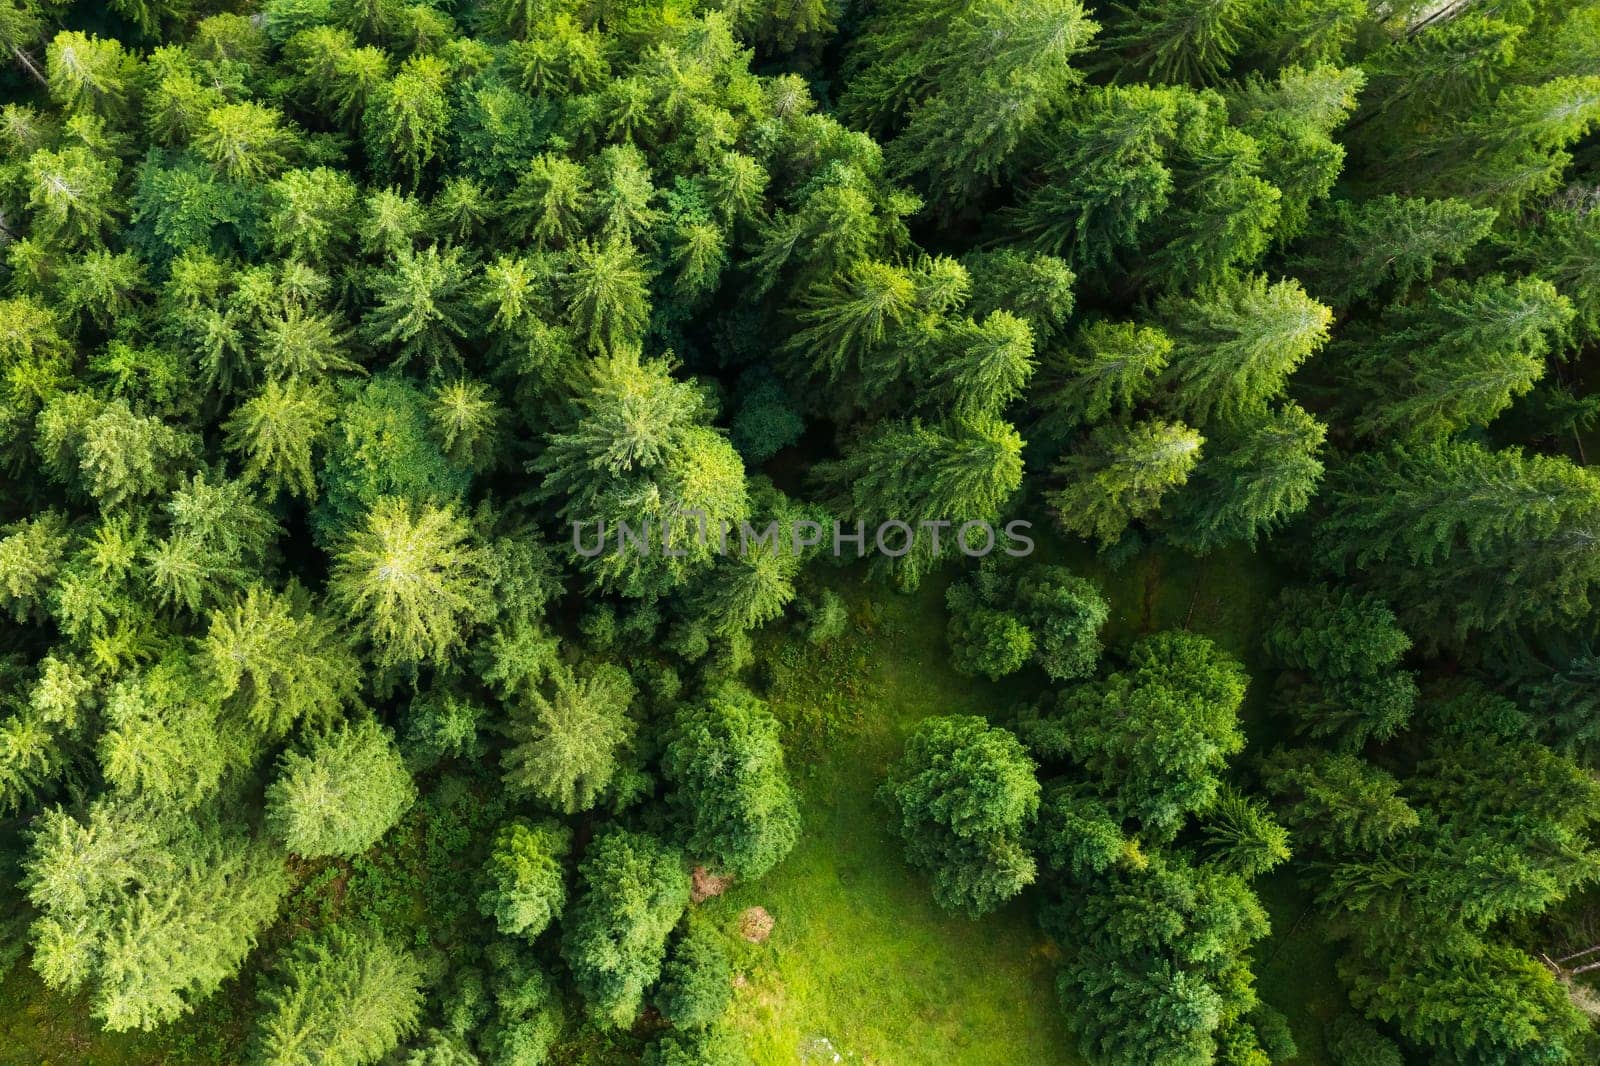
(755, 924)
(704, 884)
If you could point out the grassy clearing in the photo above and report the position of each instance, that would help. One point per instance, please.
(861, 962)
(43, 1028)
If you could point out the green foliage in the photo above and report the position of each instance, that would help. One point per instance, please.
(1181, 40)
(339, 795)
(1152, 738)
(1466, 539)
(526, 885)
(1243, 837)
(1252, 483)
(1357, 249)
(1107, 369)
(1335, 801)
(405, 119)
(329, 327)
(1460, 358)
(725, 767)
(1120, 475)
(148, 908)
(383, 446)
(279, 663)
(407, 581)
(962, 797)
(640, 452)
(632, 891)
(567, 735)
(1352, 1042)
(1160, 978)
(979, 82)
(988, 642)
(421, 306)
(278, 431)
(344, 998)
(1234, 345)
(916, 474)
(697, 979)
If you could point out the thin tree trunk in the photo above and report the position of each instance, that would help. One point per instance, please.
(28, 64)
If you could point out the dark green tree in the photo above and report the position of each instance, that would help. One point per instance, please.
(962, 797)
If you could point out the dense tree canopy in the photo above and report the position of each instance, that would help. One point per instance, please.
(455, 456)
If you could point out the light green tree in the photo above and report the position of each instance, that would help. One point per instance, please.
(526, 881)
(565, 740)
(409, 581)
(1235, 344)
(342, 998)
(1121, 474)
(337, 797)
(279, 662)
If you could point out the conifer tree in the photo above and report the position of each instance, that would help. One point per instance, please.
(408, 580)
(978, 369)
(725, 766)
(632, 891)
(149, 908)
(1164, 976)
(1105, 370)
(962, 797)
(72, 194)
(639, 452)
(565, 746)
(980, 79)
(347, 789)
(1121, 475)
(1460, 357)
(278, 431)
(245, 141)
(1463, 538)
(917, 475)
(1337, 802)
(527, 888)
(1235, 344)
(422, 306)
(1181, 40)
(406, 119)
(607, 296)
(1356, 249)
(90, 75)
(344, 998)
(1154, 738)
(1106, 176)
(313, 213)
(281, 664)
(1251, 482)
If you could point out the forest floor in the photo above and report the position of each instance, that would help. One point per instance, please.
(861, 963)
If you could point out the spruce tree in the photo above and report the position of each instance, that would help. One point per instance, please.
(1120, 475)
(344, 791)
(344, 998)
(725, 767)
